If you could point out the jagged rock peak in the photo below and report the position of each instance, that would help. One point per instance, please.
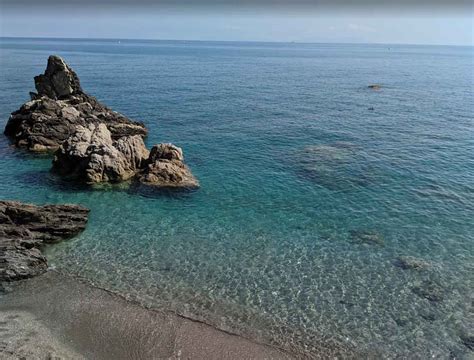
(58, 81)
(52, 115)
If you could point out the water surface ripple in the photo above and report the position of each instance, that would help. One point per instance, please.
(308, 197)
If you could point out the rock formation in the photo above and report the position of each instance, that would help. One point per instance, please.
(91, 155)
(60, 105)
(92, 143)
(25, 228)
(165, 168)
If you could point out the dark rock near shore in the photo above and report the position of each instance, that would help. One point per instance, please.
(60, 105)
(25, 228)
(92, 156)
(165, 167)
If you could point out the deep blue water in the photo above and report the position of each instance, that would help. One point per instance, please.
(290, 161)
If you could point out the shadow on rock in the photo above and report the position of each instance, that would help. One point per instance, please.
(45, 178)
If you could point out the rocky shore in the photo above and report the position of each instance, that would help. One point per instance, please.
(44, 314)
(91, 143)
(26, 228)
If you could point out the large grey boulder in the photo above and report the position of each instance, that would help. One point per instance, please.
(60, 105)
(165, 167)
(91, 155)
(26, 228)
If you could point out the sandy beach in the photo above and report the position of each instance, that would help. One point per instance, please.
(55, 316)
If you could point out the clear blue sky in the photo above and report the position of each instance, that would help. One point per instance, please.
(241, 24)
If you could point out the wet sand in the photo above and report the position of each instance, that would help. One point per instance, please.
(55, 316)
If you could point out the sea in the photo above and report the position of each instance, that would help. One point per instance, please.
(315, 189)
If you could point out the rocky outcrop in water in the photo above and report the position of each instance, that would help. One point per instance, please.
(92, 156)
(93, 144)
(25, 228)
(58, 107)
(165, 167)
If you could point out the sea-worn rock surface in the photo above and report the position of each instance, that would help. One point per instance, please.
(25, 228)
(91, 155)
(58, 107)
(165, 167)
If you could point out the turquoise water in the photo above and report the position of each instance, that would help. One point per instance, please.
(291, 162)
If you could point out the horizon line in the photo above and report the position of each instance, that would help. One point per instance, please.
(229, 41)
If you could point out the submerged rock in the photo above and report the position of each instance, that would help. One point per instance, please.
(92, 156)
(366, 237)
(165, 167)
(467, 339)
(336, 166)
(25, 228)
(429, 290)
(60, 105)
(411, 262)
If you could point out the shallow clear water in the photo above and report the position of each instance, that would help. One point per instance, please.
(291, 162)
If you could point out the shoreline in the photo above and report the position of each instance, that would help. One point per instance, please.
(58, 315)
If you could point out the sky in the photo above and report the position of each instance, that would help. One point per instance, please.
(334, 24)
